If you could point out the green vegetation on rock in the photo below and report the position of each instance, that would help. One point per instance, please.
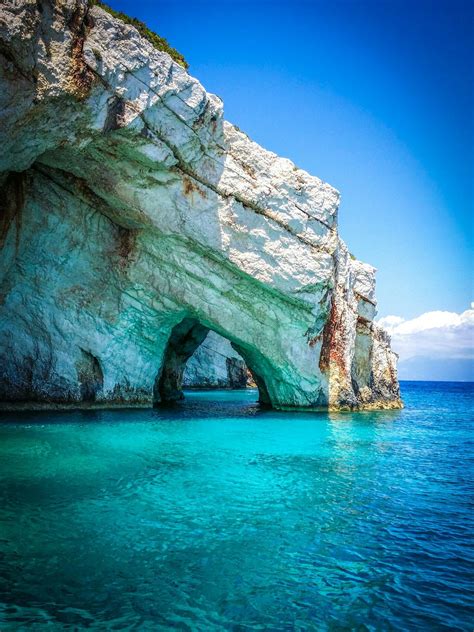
(160, 43)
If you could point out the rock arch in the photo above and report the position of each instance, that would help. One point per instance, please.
(184, 340)
(189, 333)
(139, 207)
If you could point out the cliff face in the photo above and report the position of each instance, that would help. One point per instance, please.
(135, 219)
(215, 364)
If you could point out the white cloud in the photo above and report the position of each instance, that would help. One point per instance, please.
(437, 335)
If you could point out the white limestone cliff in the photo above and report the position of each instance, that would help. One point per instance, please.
(134, 219)
(215, 364)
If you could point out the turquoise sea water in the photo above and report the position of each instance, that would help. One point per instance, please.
(219, 516)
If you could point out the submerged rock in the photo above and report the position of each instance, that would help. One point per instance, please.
(135, 219)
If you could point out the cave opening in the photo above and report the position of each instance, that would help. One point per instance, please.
(198, 357)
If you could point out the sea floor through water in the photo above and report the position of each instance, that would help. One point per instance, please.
(217, 515)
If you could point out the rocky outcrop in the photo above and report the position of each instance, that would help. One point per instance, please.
(215, 364)
(135, 219)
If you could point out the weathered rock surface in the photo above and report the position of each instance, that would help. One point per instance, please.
(215, 364)
(135, 219)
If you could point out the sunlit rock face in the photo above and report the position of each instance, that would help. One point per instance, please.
(135, 219)
(215, 364)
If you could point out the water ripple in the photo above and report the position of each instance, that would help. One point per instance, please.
(218, 515)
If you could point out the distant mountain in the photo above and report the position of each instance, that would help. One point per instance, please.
(437, 369)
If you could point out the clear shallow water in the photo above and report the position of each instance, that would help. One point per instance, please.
(218, 516)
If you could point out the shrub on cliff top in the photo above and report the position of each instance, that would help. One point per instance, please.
(156, 40)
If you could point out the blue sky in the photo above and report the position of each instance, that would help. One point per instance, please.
(373, 96)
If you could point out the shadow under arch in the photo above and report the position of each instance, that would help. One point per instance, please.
(184, 339)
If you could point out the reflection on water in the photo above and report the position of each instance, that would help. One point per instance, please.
(219, 515)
